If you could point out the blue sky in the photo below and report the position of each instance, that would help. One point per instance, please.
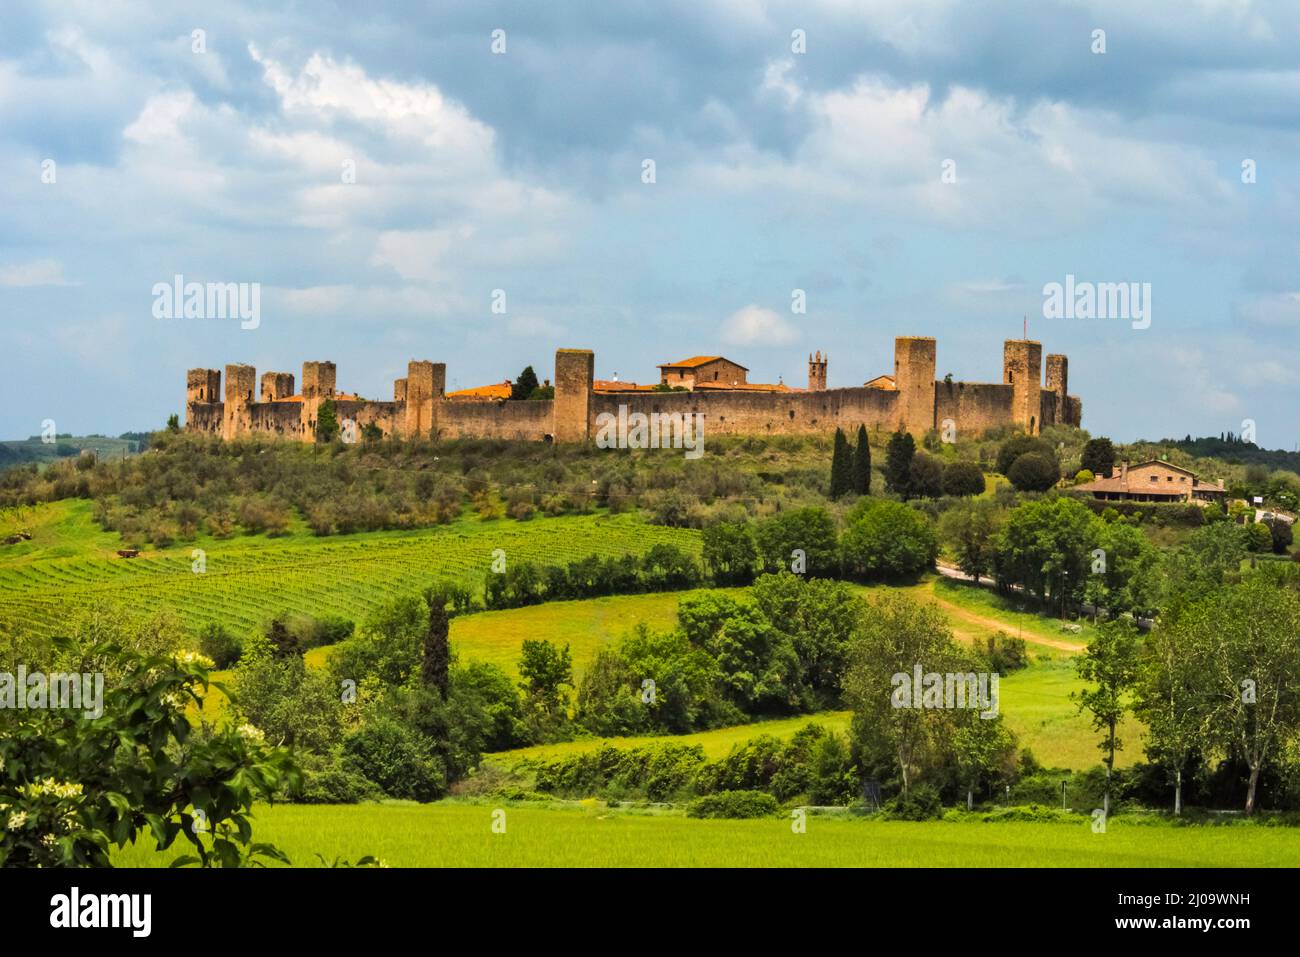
(775, 170)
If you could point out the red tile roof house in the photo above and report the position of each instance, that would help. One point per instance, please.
(714, 372)
(1154, 481)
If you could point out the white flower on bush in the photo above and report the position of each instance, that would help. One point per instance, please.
(64, 791)
(251, 733)
(17, 820)
(194, 657)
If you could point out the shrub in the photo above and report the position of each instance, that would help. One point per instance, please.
(219, 645)
(326, 781)
(656, 771)
(1018, 445)
(963, 478)
(1004, 653)
(921, 803)
(1034, 472)
(734, 804)
(395, 758)
(925, 477)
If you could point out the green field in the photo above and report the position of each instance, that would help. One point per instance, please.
(70, 562)
(716, 743)
(1035, 701)
(457, 834)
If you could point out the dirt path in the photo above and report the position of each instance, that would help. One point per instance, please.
(961, 614)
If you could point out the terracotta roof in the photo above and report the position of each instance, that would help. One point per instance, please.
(1162, 462)
(498, 390)
(696, 361)
(1119, 483)
(614, 385)
(881, 382)
(744, 387)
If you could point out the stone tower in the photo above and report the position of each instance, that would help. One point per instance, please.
(1022, 369)
(914, 362)
(201, 385)
(575, 370)
(1058, 375)
(317, 385)
(426, 383)
(276, 386)
(817, 373)
(237, 416)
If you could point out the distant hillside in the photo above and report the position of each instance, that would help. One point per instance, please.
(33, 449)
(1236, 451)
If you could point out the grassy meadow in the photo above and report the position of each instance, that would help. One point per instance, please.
(590, 834)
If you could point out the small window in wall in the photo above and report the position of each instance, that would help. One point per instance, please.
(1155, 478)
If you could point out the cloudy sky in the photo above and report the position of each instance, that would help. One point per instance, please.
(916, 167)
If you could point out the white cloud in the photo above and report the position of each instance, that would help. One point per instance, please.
(1281, 310)
(41, 272)
(1033, 169)
(754, 325)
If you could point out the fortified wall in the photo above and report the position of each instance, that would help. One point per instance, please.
(911, 399)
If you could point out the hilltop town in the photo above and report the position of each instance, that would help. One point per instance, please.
(910, 399)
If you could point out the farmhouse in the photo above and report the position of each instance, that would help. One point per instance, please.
(1155, 481)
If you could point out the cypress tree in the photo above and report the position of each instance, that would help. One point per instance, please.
(862, 464)
(435, 666)
(898, 463)
(841, 466)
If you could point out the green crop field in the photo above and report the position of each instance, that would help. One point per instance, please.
(458, 834)
(71, 563)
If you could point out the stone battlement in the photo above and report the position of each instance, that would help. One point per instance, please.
(911, 399)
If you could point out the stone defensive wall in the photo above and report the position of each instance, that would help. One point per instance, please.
(911, 399)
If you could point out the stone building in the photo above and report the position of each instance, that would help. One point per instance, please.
(1154, 481)
(911, 398)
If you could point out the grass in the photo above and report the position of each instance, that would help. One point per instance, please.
(716, 743)
(71, 563)
(458, 834)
